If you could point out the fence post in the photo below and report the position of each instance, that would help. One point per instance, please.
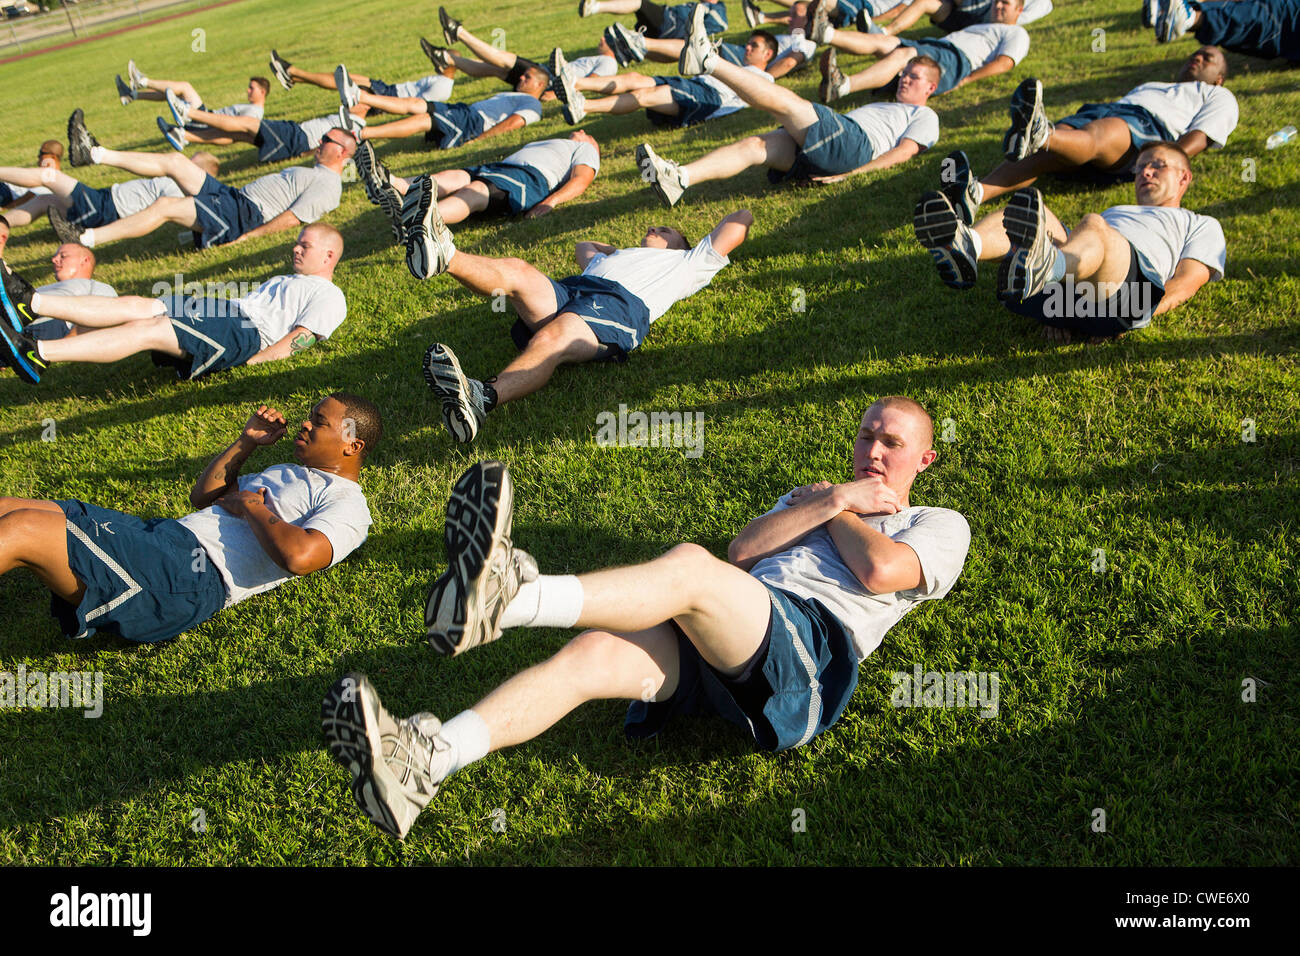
(72, 26)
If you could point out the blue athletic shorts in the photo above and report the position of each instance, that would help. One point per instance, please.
(696, 102)
(732, 53)
(797, 687)
(966, 13)
(1143, 125)
(524, 188)
(46, 330)
(224, 214)
(7, 195)
(145, 580)
(619, 319)
(952, 62)
(833, 145)
(91, 207)
(452, 124)
(280, 139)
(380, 88)
(213, 333)
(673, 23)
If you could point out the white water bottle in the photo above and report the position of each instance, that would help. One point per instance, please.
(1284, 135)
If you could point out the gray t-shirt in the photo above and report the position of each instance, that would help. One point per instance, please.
(555, 158)
(134, 195)
(315, 129)
(306, 497)
(813, 568)
(308, 192)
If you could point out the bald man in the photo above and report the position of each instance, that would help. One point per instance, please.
(194, 334)
(50, 156)
(769, 639)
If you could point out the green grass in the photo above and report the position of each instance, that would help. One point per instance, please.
(1119, 690)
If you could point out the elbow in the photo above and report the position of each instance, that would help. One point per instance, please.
(197, 500)
(298, 566)
(739, 555)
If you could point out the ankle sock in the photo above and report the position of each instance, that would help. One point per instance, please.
(553, 600)
(469, 739)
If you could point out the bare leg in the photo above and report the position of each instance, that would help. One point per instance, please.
(775, 150)
(879, 74)
(1096, 253)
(993, 235)
(59, 183)
(325, 80)
(1105, 143)
(459, 197)
(227, 124)
(33, 209)
(917, 9)
(33, 535)
(181, 168)
(115, 343)
(785, 65)
(477, 68)
(663, 51)
(503, 60)
(215, 137)
(611, 85)
(615, 8)
(179, 87)
(168, 209)
(865, 44)
(398, 105)
(97, 311)
(563, 340)
(794, 112)
(659, 98)
(407, 126)
(529, 290)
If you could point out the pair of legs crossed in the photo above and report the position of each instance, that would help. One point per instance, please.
(33, 535)
(180, 210)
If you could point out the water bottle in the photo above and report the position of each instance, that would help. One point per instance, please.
(1284, 135)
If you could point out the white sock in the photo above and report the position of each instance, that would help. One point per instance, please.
(36, 302)
(48, 175)
(979, 191)
(830, 32)
(40, 351)
(1058, 267)
(977, 242)
(469, 739)
(553, 600)
(683, 176)
(97, 154)
(88, 238)
(144, 81)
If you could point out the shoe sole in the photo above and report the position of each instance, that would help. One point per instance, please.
(79, 139)
(689, 63)
(935, 223)
(443, 374)
(174, 108)
(479, 518)
(1025, 222)
(423, 261)
(1025, 102)
(380, 193)
(569, 96)
(349, 92)
(281, 73)
(353, 739)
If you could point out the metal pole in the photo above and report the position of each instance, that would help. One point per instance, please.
(72, 26)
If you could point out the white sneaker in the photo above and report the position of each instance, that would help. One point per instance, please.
(947, 239)
(665, 176)
(820, 29)
(396, 766)
(753, 16)
(1174, 21)
(573, 102)
(461, 397)
(698, 55)
(1027, 267)
(180, 108)
(1030, 129)
(349, 92)
(134, 76)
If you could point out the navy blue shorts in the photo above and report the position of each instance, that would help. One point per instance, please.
(452, 124)
(696, 102)
(1143, 125)
(619, 319)
(524, 188)
(966, 13)
(953, 65)
(1129, 307)
(280, 139)
(380, 88)
(91, 207)
(46, 330)
(732, 53)
(145, 580)
(213, 333)
(833, 145)
(7, 195)
(224, 214)
(798, 687)
(673, 23)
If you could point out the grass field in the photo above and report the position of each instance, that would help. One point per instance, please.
(1120, 690)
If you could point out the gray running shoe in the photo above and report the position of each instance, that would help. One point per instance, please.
(1030, 129)
(134, 76)
(698, 55)
(396, 766)
(378, 184)
(80, 142)
(665, 175)
(484, 570)
(947, 239)
(1028, 267)
(960, 186)
(180, 109)
(572, 100)
(819, 21)
(461, 397)
(280, 67)
(429, 244)
(835, 85)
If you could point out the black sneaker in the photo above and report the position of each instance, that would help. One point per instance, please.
(124, 92)
(438, 56)
(65, 230)
(378, 184)
(16, 299)
(450, 26)
(280, 67)
(20, 352)
(80, 142)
